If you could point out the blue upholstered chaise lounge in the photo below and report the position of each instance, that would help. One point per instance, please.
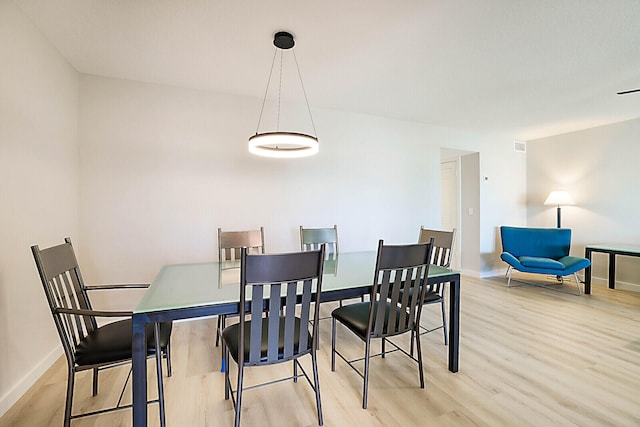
(540, 250)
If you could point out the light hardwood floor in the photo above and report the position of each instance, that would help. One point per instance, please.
(528, 357)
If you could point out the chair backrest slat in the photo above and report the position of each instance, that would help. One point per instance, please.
(400, 272)
(305, 311)
(273, 321)
(289, 323)
(71, 301)
(257, 297)
(286, 285)
(61, 301)
(413, 301)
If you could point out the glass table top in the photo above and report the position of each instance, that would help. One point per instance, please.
(191, 285)
(624, 247)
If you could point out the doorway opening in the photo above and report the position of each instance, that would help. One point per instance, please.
(460, 205)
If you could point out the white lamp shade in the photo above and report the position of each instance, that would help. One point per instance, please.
(559, 198)
(283, 144)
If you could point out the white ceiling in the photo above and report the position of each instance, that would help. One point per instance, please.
(520, 68)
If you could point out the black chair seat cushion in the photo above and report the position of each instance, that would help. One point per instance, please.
(231, 337)
(432, 297)
(112, 343)
(356, 318)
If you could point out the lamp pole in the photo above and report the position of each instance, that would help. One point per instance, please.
(559, 198)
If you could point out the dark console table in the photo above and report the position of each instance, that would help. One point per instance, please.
(612, 250)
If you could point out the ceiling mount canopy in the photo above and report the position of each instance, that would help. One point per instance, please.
(283, 40)
(278, 143)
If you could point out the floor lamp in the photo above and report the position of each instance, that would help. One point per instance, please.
(559, 198)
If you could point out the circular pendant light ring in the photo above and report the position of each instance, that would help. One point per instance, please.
(283, 144)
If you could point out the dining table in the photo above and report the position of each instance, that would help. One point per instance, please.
(193, 290)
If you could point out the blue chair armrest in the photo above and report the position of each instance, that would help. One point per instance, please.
(511, 260)
(573, 264)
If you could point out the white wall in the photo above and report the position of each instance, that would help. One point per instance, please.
(38, 192)
(599, 169)
(162, 167)
(503, 199)
(470, 213)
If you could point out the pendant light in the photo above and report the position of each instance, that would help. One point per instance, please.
(278, 143)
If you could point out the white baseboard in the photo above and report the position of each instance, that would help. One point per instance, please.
(596, 281)
(21, 387)
(493, 273)
(624, 286)
(468, 272)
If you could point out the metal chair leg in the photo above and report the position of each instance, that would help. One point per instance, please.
(333, 344)
(69, 402)
(219, 329)
(94, 391)
(239, 392)
(444, 323)
(507, 272)
(316, 381)
(367, 352)
(167, 352)
(419, 350)
(413, 338)
(575, 275)
(156, 333)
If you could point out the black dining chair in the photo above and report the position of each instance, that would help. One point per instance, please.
(230, 243)
(86, 345)
(394, 307)
(313, 238)
(276, 295)
(441, 256)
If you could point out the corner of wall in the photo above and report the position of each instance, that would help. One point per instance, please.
(28, 380)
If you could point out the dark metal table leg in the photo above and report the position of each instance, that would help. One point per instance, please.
(587, 272)
(139, 367)
(454, 323)
(612, 270)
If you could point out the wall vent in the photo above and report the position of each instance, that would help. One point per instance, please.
(520, 146)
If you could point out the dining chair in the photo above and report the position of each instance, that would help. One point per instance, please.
(276, 295)
(441, 256)
(86, 345)
(313, 238)
(394, 306)
(230, 243)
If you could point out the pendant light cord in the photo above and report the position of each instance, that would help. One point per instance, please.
(279, 94)
(266, 91)
(304, 92)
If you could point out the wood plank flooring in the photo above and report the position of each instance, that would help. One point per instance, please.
(528, 357)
